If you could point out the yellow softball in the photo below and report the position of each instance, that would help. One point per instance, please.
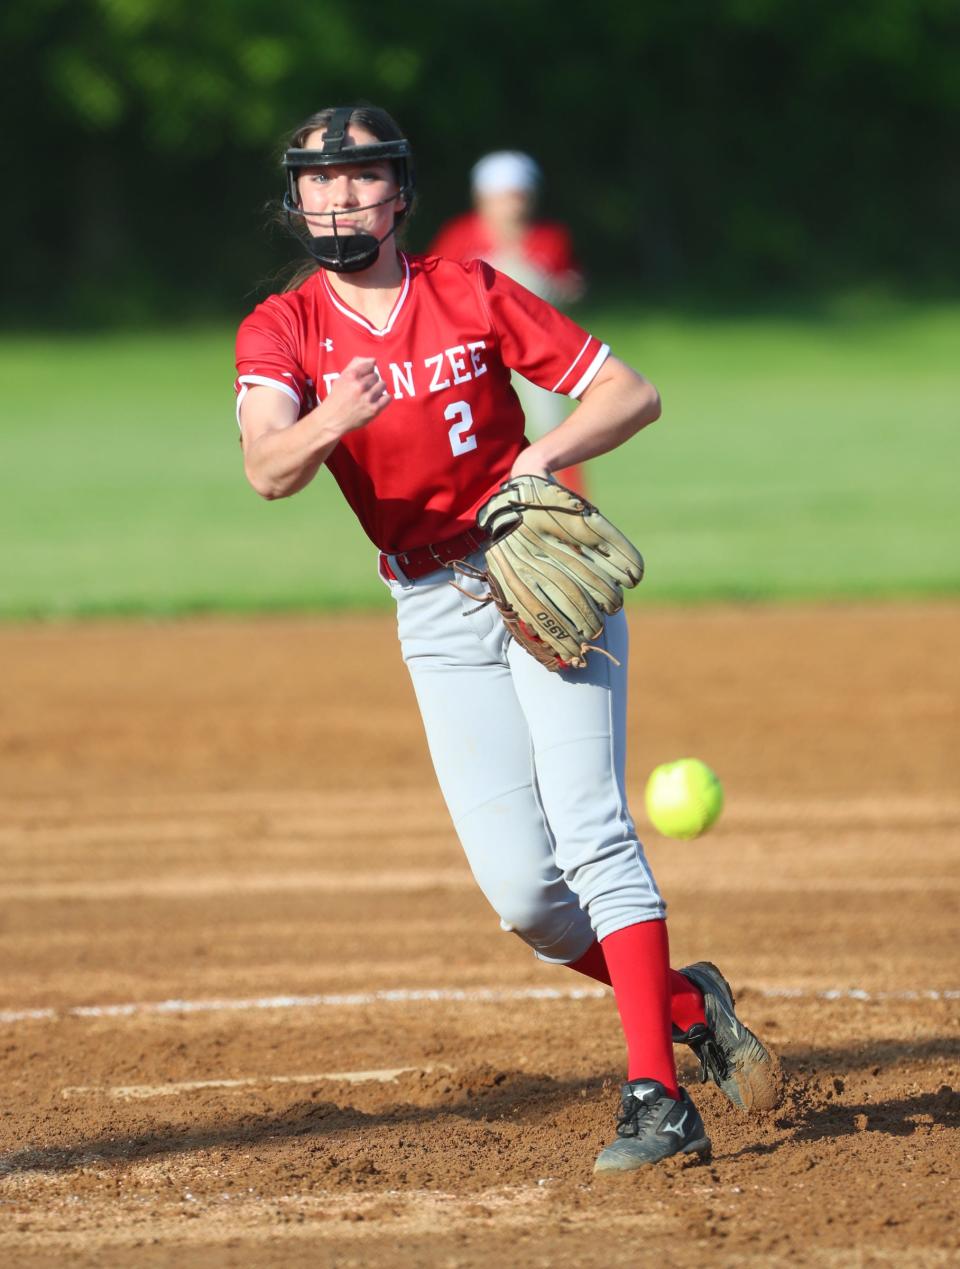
(684, 798)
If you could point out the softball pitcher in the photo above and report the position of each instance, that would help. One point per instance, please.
(394, 371)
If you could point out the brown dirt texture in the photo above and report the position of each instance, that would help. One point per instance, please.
(254, 1012)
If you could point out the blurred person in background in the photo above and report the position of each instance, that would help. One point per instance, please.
(503, 229)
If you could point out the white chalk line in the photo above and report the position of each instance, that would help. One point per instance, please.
(142, 1092)
(402, 996)
(427, 995)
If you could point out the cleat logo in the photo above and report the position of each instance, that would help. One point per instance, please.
(677, 1128)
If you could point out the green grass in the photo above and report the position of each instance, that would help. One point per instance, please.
(798, 456)
(795, 458)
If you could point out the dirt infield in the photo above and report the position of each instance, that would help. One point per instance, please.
(254, 1012)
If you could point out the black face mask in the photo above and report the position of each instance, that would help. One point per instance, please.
(344, 253)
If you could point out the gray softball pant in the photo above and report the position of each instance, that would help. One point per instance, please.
(531, 766)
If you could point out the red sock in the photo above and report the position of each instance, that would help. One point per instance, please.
(686, 1002)
(592, 964)
(573, 478)
(638, 958)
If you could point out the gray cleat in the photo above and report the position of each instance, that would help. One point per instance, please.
(729, 1053)
(652, 1126)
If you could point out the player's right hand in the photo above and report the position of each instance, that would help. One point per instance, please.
(358, 395)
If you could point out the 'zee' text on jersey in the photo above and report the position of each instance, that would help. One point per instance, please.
(455, 365)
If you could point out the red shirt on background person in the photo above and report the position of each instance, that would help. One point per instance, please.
(503, 230)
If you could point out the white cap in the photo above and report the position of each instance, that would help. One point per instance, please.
(505, 170)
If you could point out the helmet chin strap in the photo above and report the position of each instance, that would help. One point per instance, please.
(341, 253)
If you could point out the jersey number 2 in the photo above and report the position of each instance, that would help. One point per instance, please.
(460, 442)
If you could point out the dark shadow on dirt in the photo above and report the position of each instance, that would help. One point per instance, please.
(807, 1116)
(815, 1108)
(535, 1097)
(829, 1059)
(899, 1117)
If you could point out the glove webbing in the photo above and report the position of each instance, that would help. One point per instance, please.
(584, 510)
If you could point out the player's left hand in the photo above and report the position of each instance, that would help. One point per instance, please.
(554, 567)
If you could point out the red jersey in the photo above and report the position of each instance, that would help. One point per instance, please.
(546, 245)
(417, 473)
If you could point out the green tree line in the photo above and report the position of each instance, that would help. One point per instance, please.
(723, 147)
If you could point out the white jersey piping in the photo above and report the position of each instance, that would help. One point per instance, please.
(590, 373)
(569, 368)
(261, 381)
(362, 321)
